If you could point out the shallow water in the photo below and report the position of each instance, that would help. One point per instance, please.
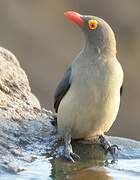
(43, 169)
(91, 166)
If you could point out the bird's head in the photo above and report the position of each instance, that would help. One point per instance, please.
(98, 33)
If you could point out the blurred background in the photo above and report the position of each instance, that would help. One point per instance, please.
(45, 43)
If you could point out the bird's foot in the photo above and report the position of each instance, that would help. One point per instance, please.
(69, 154)
(109, 148)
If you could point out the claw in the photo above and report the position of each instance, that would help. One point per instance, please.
(75, 156)
(112, 149)
(69, 157)
(68, 152)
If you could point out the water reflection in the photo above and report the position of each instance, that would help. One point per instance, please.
(92, 174)
(89, 167)
(79, 171)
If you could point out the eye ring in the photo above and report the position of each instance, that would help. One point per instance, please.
(92, 24)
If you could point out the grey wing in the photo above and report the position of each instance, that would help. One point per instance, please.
(62, 88)
(121, 90)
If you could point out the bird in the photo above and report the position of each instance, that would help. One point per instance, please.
(87, 99)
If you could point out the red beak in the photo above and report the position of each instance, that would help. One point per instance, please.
(75, 17)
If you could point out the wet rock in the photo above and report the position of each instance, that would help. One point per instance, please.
(22, 121)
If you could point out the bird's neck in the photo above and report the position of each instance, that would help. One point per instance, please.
(107, 49)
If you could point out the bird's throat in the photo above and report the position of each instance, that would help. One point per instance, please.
(97, 50)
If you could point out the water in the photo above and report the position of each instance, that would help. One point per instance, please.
(91, 166)
(42, 169)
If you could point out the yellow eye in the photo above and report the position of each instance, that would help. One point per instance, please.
(92, 24)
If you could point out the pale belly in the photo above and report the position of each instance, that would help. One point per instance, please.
(91, 105)
(86, 115)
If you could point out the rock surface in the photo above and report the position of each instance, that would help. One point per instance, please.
(29, 145)
(22, 121)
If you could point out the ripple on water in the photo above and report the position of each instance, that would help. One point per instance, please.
(40, 169)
